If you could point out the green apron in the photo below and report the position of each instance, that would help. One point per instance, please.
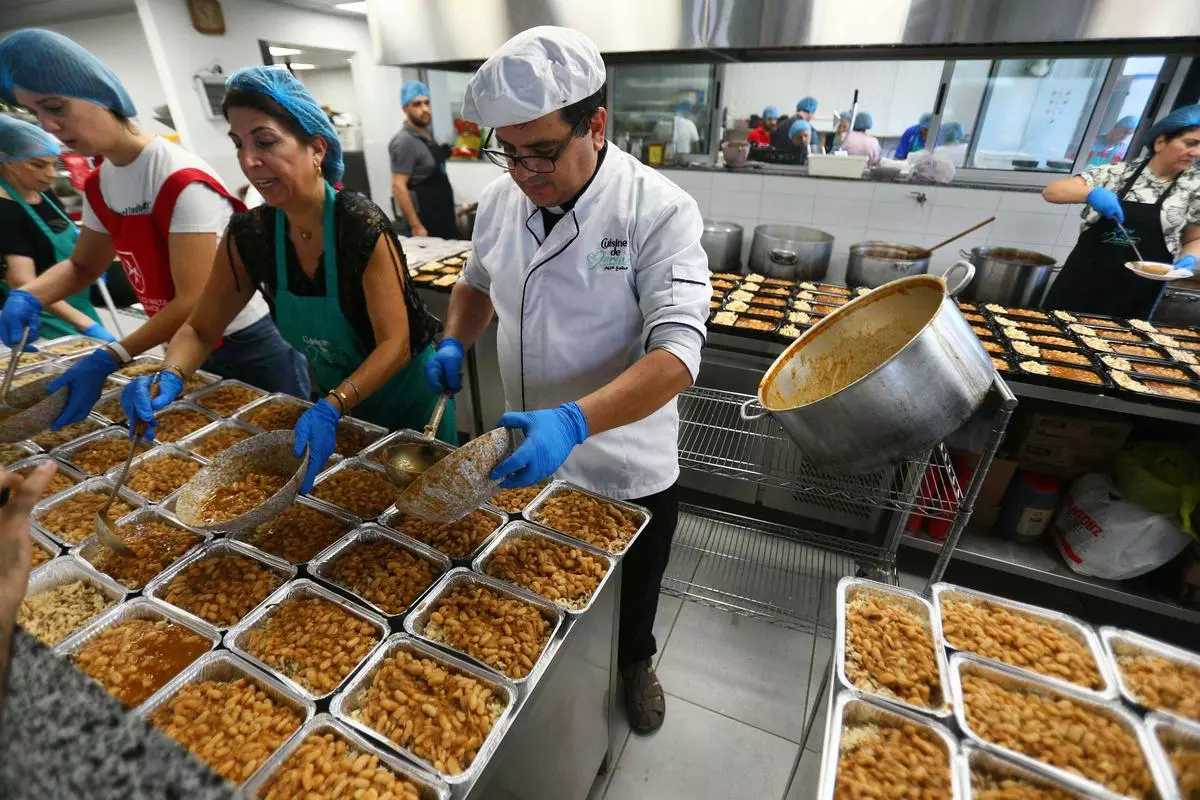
(63, 243)
(317, 328)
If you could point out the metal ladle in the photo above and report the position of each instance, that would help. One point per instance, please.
(406, 460)
(1129, 239)
(105, 531)
(13, 361)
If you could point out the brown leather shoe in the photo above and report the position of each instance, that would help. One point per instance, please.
(645, 703)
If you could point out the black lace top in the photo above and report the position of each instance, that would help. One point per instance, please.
(358, 224)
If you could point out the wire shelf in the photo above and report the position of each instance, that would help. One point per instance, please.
(715, 439)
(762, 570)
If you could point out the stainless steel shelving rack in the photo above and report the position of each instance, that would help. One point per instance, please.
(787, 574)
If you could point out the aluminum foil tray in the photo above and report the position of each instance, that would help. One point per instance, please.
(184, 405)
(973, 759)
(532, 510)
(54, 347)
(194, 397)
(91, 546)
(348, 520)
(350, 700)
(36, 409)
(1118, 642)
(67, 451)
(393, 516)
(520, 529)
(66, 569)
(276, 397)
(63, 467)
(344, 464)
(1168, 731)
(361, 425)
(238, 637)
(159, 451)
(194, 438)
(850, 589)
(102, 485)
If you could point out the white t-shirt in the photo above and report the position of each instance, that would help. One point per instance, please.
(131, 189)
(685, 135)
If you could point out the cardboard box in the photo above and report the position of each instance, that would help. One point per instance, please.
(1096, 437)
(1061, 460)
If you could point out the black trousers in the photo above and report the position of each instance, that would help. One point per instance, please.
(643, 567)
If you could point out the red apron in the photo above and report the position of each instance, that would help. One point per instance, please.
(141, 239)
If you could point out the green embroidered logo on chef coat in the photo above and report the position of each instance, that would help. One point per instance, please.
(613, 256)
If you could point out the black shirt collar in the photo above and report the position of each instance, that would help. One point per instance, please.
(551, 215)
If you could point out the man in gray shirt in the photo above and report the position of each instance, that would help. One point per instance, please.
(419, 184)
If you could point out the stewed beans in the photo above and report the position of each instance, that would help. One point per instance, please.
(174, 425)
(221, 589)
(886, 761)
(275, 415)
(455, 539)
(597, 522)
(363, 492)
(502, 631)
(219, 441)
(298, 534)
(156, 478)
(566, 576)
(72, 519)
(155, 545)
(514, 500)
(889, 651)
(383, 573)
(135, 658)
(1159, 683)
(235, 499)
(60, 482)
(227, 399)
(327, 767)
(102, 455)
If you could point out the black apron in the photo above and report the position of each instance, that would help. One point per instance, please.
(1094, 279)
(435, 197)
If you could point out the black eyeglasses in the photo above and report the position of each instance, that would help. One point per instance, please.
(542, 164)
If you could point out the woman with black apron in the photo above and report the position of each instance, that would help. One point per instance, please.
(1155, 199)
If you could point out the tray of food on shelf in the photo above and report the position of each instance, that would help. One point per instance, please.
(776, 290)
(1189, 347)
(259, 713)
(1091, 320)
(717, 283)
(460, 541)
(68, 517)
(358, 486)
(384, 570)
(217, 437)
(159, 472)
(1038, 338)
(492, 622)
(1062, 729)
(790, 331)
(975, 318)
(227, 397)
(1022, 314)
(1126, 335)
(300, 532)
(1003, 364)
(726, 276)
(968, 307)
(50, 439)
(1154, 675)
(1058, 355)
(133, 650)
(833, 288)
(1149, 368)
(157, 540)
(1174, 331)
(180, 419)
(994, 347)
(883, 751)
(1178, 745)
(65, 476)
(391, 697)
(990, 775)
(63, 595)
(746, 325)
(1028, 325)
(97, 453)
(308, 637)
(69, 345)
(1050, 373)
(564, 571)
(1179, 394)
(1146, 351)
(610, 525)
(327, 758)
(888, 646)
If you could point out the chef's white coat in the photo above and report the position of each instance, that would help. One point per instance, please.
(576, 307)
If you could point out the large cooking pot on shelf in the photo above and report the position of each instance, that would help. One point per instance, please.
(1179, 304)
(882, 379)
(790, 251)
(873, 264)
(1008, 276)
(722, 242)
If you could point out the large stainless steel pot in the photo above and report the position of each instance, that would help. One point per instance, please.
(1008, 276)
(884, 378)
(1179, 306)
(722, 241)
(790, 251)
(873, 264)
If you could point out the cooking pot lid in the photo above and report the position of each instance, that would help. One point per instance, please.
(721, 226)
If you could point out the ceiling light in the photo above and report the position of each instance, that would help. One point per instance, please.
(301, 65)
(358, 8)
(284, 51)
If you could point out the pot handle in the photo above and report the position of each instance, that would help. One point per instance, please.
(969, 274)
(786, 257)
(747, 416)
(964, 254)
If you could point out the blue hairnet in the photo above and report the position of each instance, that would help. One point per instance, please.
(411, 90)
(808, 104)
(45, 62)
(798, 125)
(924, 120)
(1177, 120)
(1126, 122)
(953, 132)
(683, 106)
(281, 85)
(863, 121)
(770, 112)
(844, 115)
(20, 141)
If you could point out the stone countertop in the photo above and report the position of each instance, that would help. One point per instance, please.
(759, 168)
(63, 736)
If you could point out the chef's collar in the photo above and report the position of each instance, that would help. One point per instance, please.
(551, 214)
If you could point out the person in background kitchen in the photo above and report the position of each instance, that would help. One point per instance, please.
(1156, 198)
(420, 187)
(913, 138)
(860, 143)
(760, 135)
(953, 144)
(681, 130)
(151, 203)
(836, 140)
(800, 135)
(35, 231)
(592, 265)
(1109, 148)
(781, 138)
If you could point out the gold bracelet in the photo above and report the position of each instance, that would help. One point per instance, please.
(175, 368)
(357, 393)
(343, 404)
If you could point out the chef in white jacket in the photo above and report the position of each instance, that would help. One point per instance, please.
(593, 267)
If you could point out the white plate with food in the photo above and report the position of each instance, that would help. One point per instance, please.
(1157, 271)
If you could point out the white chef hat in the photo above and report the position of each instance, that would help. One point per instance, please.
(534, 73)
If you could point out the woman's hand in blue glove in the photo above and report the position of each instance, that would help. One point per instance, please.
(1106, 202)
(317, 430)
(550, 436)
(1186, 262)
(98, 331)
(138, 405)
(83, 382)
(21, 310)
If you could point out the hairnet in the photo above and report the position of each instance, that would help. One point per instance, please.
(411, 90)
(798, 126)
(1126, 122)
(281, 86)
(536, 72)
(45, 62)
(863, 121)
(1178, 120)
(770, 112)
(20, 141)
(684, 106)
(808, 104)
(953, 132)
(924, 120)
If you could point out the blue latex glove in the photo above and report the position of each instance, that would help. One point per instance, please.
(136, 402)
(84, 382)
(550, 435)
(21, 311)
(317, 430)
(1187, 262)
(98, 331)
(444, 370)
(1106, 203)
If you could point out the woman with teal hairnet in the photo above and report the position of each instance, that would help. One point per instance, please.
(1109, 148)
(151, 203)
(35, 231)
(328, 263)
(860, 143)
(1156, 198)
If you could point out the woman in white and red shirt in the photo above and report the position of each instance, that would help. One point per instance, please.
(152, 204)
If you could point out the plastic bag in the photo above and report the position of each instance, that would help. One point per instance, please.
(1160, 477)
(930, 168)
(1100, 533)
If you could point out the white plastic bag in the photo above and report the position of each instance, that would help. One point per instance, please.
(1100, 533)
